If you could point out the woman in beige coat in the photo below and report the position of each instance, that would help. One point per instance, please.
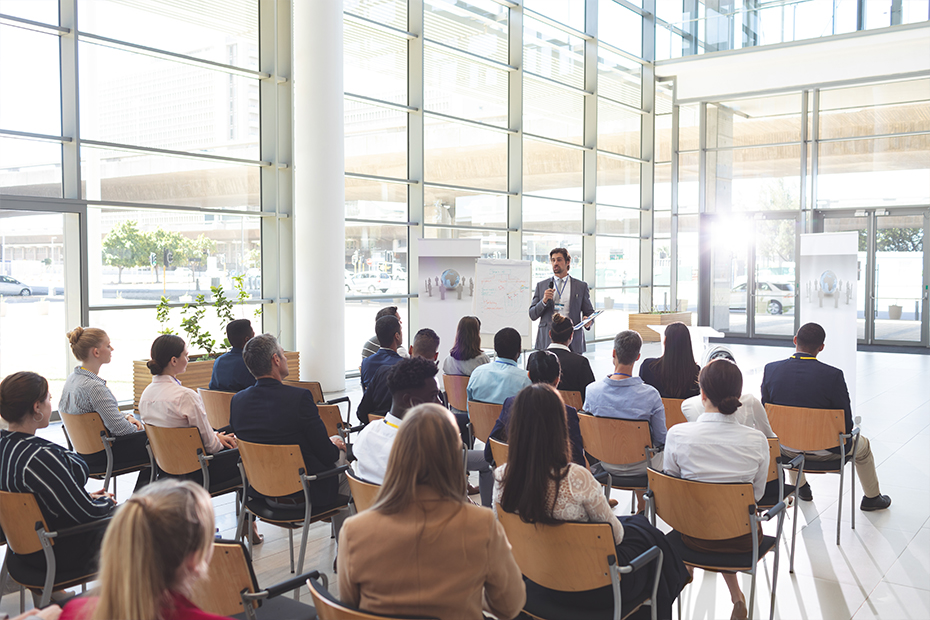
(422, 548)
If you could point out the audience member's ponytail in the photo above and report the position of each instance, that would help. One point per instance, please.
(84, 339)
(543, 367)
(164, 348)
(722, 383)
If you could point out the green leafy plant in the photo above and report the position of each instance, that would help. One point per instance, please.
(191, 324)
(161, 313)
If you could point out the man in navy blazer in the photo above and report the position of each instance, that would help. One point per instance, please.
(803, 381)
(270, 412)
(563, 294)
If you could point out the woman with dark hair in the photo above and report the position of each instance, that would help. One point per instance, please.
(576, 369)
(541, 484)
(543, 367)
(394, 557)
(717, 448)
(54, 475)
(466, 354)
(675, 373)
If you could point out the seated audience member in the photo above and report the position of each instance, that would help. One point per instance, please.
(543, 368)
(272, 413)
(623, 396)
(674, 374)
(541, 484)
(395, 558)
(717, 448)
(576, 369)
(372, 345)
(168, 404)
(466, 354)
(751, 412)
(502, 378)
(85, 392)
(159, 544)
(391, 337)
(803, 381)
(377, 398)
(53, 474)
(229, 371)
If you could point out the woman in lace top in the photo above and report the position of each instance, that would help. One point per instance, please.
(542, 485)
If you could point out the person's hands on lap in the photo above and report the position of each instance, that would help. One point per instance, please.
(338, 442)
(102, 493)
(52, 612)
(228, 441)
(132, 420)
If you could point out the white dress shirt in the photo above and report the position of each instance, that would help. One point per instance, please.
(717, 448)
(372, 448)
(169, 404)
(751, 413)
(563, 294)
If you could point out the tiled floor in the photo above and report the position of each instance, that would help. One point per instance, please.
(881, 569)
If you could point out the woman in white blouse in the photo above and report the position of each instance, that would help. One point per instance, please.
(542, 484)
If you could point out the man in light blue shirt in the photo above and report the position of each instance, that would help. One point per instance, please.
(502, 378)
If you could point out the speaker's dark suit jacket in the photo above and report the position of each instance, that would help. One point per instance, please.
(803, 381)
(576, 370)
(270, 412)
(579, 306)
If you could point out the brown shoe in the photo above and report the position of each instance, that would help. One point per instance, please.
(472, 490)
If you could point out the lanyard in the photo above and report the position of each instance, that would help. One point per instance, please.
(389, 424)
(802, 357)
(621, 374)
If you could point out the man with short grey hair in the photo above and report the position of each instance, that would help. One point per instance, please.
(270, 412)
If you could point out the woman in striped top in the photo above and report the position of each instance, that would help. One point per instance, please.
(86, 392)
(54, 475)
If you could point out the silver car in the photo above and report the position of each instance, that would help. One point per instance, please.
(12, 286)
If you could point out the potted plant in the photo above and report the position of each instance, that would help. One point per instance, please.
(894, 311)
(640, 321)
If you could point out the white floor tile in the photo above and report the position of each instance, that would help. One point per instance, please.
(891, 601)
(913, 566)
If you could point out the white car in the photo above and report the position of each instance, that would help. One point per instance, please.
(12, 286)
(775, 297)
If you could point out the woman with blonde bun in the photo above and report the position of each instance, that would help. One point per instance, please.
(159, 544)
(85, 392)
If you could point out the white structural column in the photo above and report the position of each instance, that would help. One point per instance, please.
(319, 191)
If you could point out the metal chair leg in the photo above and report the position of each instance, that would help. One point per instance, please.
(794, 530)
(290, 540)
(839, 505)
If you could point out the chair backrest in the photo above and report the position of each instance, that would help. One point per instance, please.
(84, 431)
(328, 608)
(363, 493)
(217, 405)
(374, 418)
(19, 513)
(572, 398)
(229, 574)
(774, 455)
(316, 390)
(712, 511)
(272, 470)
(499, 450)
(673, 414)
(615, 441)
(805, 429)
(332, 418)
(175, 449)
(483, 416)
(569, 557)
(455, 386)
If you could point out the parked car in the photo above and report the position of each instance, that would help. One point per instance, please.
(775, 297)
(372, 282)
(12, 286)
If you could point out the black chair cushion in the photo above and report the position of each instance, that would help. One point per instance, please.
(627, 482)
(260, 508)
(825, 466)
(556, 605)
(725, 561)
(28, 574)
(283, 608)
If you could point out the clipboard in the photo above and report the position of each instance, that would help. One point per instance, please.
(587, 321)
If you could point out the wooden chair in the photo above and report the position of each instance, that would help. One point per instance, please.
(374, 418)
(316, 390)
(673, 414)
(714, 512)
(482, 417)
(572, 398)
(806, 430)
(455, 386)
(618, 442)
(230, 588)
(27, 532)
(335, 425)
(279, 471)
(328, 607)
(572, 557)
(363, 492)
(500, 451)
(88, 435)
(180, 452)
(332, 420)
(217, 405)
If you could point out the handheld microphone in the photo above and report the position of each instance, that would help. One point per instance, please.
(551, 283)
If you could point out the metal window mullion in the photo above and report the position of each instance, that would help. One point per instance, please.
(477, 190)
(416, 148)
(466, 121)
(619, 52)
(629, 108)
(455, 51)
(589, 166)
(39, 137)
(115, 146)
(557, 142)
(647, 152)
(673, 276)
(558, 84)
(621, 157)
(705, 237)
(557, 24)
(465, 227)
(815, 145)
(364, 21)
(375, 177)
(35, 26)
(399, 107)
(803, 180)
(515, 140)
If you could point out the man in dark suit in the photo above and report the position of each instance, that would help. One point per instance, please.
(562, 294)
(377, 398)
(390, 337)
(229, 371)
(803, 381)
(272, 413)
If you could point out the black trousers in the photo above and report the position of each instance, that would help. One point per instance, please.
(128, 450)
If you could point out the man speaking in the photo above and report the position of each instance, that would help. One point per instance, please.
(563, 294)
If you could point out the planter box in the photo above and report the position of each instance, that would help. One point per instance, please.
(639, 323)
(197, 375)
(894, 312)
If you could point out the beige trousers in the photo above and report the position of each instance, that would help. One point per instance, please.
(865, 466)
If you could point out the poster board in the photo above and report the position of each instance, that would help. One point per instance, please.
(503, 291)
(446, 271)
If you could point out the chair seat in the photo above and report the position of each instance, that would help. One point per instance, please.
(770, 499)
(721, 561)
(282, 608)
(31, 577)
(261, 509)
(823, 467)
(101, 473)
(629, 482)
(554, 605)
